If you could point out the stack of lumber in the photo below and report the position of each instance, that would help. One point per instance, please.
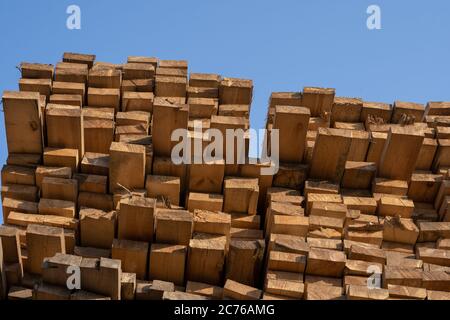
(95, 208)
(372, 182)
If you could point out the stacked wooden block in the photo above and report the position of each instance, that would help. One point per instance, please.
(358, 208)
(369, 218)
(90, 183)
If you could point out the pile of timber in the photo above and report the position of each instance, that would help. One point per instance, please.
(359, 208)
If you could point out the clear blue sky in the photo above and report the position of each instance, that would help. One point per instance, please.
(281, 45)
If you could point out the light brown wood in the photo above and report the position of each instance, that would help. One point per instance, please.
(36, 235)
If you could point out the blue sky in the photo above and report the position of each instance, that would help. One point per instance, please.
(281, 45)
